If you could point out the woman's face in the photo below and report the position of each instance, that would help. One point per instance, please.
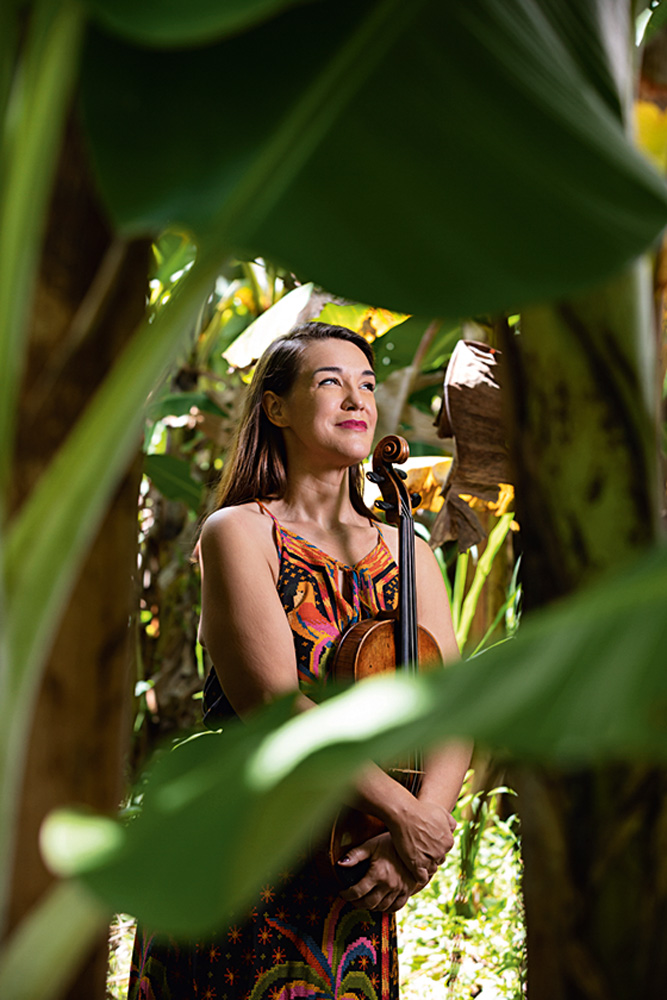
(330, 410)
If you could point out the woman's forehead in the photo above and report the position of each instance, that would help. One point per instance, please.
(333, 353)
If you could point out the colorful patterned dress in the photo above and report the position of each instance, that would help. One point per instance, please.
(301, 940)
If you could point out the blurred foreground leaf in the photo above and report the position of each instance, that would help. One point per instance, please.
(509, 179)
(158, 23)
(583, 682)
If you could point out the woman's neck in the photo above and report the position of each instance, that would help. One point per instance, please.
(321, 499)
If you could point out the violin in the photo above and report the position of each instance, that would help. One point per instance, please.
(392, 641)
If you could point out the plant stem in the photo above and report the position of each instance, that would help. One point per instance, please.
(496, 538)
(32, 132)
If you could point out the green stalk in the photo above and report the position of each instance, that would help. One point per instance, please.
(32, 132)
(251, 278)
(50, 535)
(492, 627)
(40, 959)
(8, 51)
(496, 538)
(458, 589)
(34, 96)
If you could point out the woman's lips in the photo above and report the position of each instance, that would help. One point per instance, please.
(355, 425)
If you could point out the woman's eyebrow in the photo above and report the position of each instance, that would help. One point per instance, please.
(339, 370)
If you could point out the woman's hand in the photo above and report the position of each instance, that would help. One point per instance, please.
(388, 884)
(422, 837)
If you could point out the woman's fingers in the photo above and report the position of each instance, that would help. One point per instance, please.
(387, 884)
(399, 902)
(356, 854)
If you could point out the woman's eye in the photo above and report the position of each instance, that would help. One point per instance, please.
(329, 379)
(369, 385)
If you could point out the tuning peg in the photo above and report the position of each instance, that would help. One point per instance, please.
(384, 505)
(402, 473)
(415, 499)
(374, 477)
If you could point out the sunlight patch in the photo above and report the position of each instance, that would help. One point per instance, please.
(72, 842)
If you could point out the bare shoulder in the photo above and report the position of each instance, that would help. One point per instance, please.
(241, 530)
(432, 601)
(426, 561)
(231, 520)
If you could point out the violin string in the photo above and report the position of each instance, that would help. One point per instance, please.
(407, 558)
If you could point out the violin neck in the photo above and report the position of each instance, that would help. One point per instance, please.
(407, 650)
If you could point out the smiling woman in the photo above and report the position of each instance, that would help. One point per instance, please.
(290, 560)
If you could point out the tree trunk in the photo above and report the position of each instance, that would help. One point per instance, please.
(90, 297)
(581, 406)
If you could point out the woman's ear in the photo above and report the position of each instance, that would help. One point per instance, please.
(273, 406)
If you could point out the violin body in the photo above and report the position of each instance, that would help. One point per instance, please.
(392, 641)
(366, 649)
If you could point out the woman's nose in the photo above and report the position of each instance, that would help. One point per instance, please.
(353, 401)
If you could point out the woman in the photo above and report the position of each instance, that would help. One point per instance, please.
(290, 559)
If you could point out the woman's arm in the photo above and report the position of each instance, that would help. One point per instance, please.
(243, 624)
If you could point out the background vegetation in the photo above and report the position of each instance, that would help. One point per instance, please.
(442, 160)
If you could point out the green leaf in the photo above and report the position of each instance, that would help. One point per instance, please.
(259, 791)
(173, 253)
(510, 177)
(172, 477)
(658, 20)
(179, 404)
(440, 351)
(397, 348)
(172, 23)
(369, 321)
(582, 683)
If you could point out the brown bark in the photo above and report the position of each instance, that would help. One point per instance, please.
(584, 448)
(90, 297)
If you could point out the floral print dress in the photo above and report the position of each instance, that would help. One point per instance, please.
(300, 939)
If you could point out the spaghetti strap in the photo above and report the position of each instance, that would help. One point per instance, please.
(266, 510)
(286, 539)
(277, 530)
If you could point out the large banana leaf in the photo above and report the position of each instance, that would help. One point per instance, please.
(441, 159)
(255, 793)
(157, 22)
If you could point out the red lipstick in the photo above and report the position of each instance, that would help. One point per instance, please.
(354, 425)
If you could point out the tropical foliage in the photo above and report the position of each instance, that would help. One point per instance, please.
(539, 88)
(464, 934)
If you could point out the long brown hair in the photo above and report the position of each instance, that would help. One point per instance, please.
(256, 468)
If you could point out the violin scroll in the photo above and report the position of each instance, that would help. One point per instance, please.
(391, 449)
